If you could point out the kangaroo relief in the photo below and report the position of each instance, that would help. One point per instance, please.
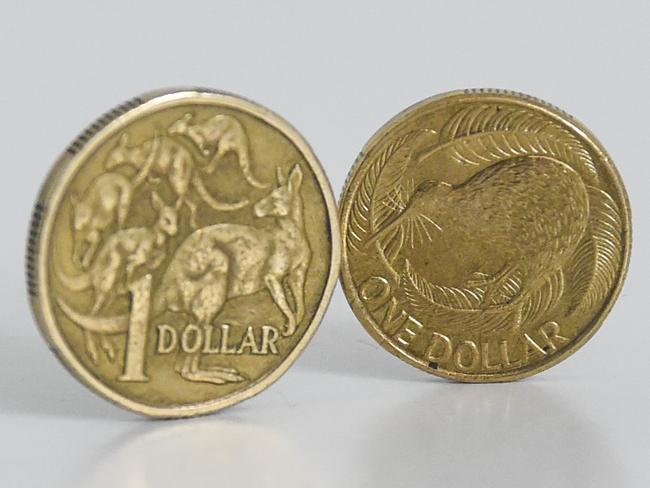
(216, 137)
(164, 158)
(106, 202)
(212, 265)
(122, 254)
(170, 280)
(224, 261)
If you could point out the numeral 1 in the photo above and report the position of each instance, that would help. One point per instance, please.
(136, 341)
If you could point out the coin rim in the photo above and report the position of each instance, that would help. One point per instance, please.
(351, 186)
(51, 195)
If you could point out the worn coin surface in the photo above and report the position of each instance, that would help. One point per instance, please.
(486, 235)
(183, 251)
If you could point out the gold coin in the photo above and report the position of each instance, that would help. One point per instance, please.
(183, 251)
(486, 235)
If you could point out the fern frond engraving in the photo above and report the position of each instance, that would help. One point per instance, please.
(596, 262)
(481, 119)
(362, 215)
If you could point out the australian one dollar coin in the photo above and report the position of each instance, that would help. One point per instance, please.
(182, 252)
(486, 235)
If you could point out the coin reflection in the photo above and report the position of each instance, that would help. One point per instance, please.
(500, 435)
(189, 453)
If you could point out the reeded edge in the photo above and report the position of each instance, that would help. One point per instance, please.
(351, 185)
(50, 197)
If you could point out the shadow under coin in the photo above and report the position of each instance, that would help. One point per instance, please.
(491, 435)
(196, 452)
(33, 383)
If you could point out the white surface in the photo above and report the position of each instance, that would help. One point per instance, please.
(347, 414)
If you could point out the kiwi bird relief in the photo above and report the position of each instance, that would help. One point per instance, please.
(517, 199)
(153, 270)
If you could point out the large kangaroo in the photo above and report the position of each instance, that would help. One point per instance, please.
(224, 261)
(122, 254)
(216, 137)
(106, 202)
(167, 158)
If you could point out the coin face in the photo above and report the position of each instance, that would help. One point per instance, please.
(182, 252)
(486, 235)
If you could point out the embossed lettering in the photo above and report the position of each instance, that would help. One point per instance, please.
(225, 349)
(248, 342)
(485, 358)
(408, 331)
(439, 350)
(167, 339)
(269, 338)
(392, 318)
(375, 292)
(191, 339)
(467, 356)
(505, 354)
(531, 348)
(551, 337)
(207, 341)
(375, 289)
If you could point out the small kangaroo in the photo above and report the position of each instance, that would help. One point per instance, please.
(165, 157)
(223, 261)
(107, 201)
(122, 254)
(216, 137)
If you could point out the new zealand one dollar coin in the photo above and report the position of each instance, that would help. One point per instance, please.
(486, 235)
(182, 252)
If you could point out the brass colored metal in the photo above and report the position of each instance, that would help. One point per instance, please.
(486, 235)
(182, 252)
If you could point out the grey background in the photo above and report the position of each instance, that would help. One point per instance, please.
(347, 414)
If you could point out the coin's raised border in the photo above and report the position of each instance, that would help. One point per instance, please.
(351, 185)
(50, 197)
